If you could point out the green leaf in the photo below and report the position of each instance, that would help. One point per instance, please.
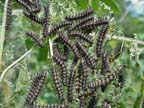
(82, 4)
(42, 54)
(95, 4)
(29, 43)
(139, 100)
(112, 4)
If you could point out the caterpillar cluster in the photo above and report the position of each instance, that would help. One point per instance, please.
(74, 35)
(87, 55)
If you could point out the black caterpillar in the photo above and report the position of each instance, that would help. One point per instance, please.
(24, 4)
(70, 44)
(63, 68)
(100, 40)
(56, 27)
(77, 82)
(46, 21)
(35, 38)
(57, 83)
(81, 22)
(84, 74)
(32, 7)
(71, 81)
(107, 79)
(9, 15)
(34, 17)
(87, 55)
(58, 54)
(80, 15)
(105, 63)
(115, 55)
(36, 87)
(81, 36)
(92, 25)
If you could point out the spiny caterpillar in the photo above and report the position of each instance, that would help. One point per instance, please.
(80, 15)
(9, 15)
(56, 27)
(81, 36)
(68, 45)
(92, 25)
(86, 54)
(24, 4)
(36, 87)
(71, 80)
(63, 68)
(115, 55)
(35, 38)
(107, 79)
(100, 40)
(84, 75)
(46, 21)
(81, 22)
(105, 63)
(34, 17)
(58, 54)
(32, 7)
(36, 6)
(57, 83)
(78, 83)
(68, 42)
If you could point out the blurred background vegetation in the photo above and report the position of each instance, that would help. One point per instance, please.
(127, 21)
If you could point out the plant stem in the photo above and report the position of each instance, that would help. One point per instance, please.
(121, 38)
(13, 64)
(2, 35)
